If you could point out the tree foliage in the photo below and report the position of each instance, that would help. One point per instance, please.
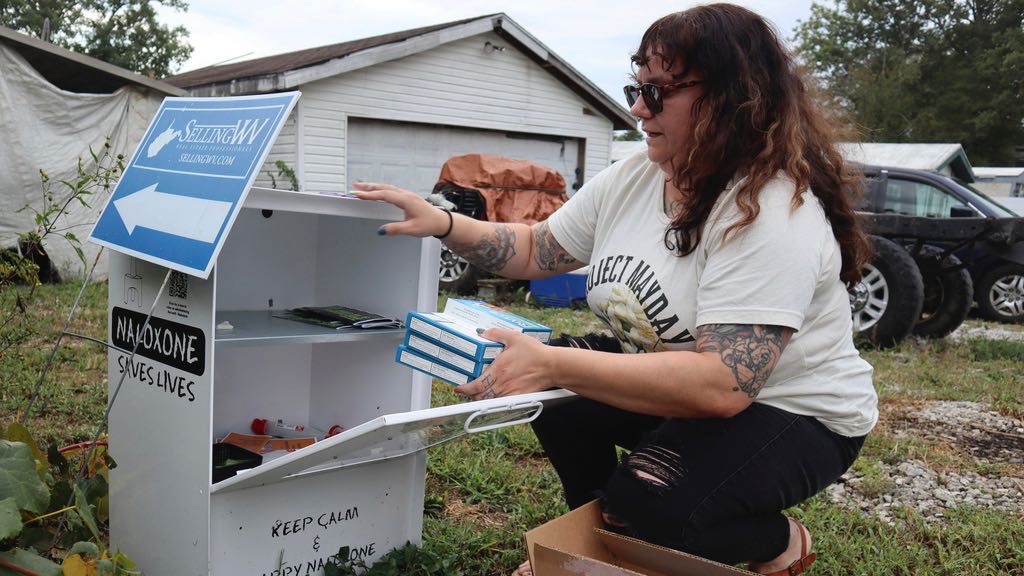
(629, 136)
(924, 70)
(126, 33)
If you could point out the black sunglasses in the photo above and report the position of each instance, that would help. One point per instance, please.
(654, 94)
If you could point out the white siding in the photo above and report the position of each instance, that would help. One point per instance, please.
(457, 84)
(324, 136)
(284, 149)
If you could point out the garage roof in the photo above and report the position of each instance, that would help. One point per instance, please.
(949, 158)
(1007, 174)
(76, 72)
(287, 71)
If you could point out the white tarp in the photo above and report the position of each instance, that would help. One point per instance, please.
(44, 127)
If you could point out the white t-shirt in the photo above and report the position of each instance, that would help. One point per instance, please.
(782, 270)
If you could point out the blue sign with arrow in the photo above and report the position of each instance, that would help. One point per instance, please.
(186, 182)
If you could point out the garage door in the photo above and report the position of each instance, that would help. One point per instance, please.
(410, 155)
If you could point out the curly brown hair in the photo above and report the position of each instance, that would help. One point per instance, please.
(755, 119)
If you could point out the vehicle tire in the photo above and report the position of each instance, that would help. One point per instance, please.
(886, 303)
(948, 293)
(1001, 293)
(456, 274)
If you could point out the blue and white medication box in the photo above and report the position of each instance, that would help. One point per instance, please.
(452, 335)
(483, 315)
(431, 366)
(431, 349)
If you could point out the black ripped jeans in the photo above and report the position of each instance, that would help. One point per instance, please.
(711, 487)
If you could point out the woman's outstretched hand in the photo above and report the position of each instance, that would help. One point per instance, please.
(421, 217)
(524, 366)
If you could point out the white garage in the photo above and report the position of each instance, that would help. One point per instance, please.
(410, 155)
(393, 108)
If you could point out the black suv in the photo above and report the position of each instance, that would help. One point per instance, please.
(943, 231)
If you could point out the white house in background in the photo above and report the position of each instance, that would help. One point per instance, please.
(1005, 182)
(54, 105)
(393, 108)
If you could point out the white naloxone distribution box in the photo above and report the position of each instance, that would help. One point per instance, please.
(192, 383)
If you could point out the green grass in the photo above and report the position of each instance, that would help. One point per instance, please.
(968, 541)
(485, 490)
(492, 487)
(71, 401)
(977, 370)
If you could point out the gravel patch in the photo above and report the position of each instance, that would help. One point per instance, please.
(967, 331)
(972, 428)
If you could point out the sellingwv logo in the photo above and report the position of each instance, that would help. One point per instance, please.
(241, 133)
(162, 140)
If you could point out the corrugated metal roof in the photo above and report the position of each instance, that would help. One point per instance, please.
(76, 72)
(916, 156)
(298, 59)
(998, 172)
(623, 148)
(940, 157)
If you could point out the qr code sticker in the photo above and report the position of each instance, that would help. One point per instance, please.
(179, 285)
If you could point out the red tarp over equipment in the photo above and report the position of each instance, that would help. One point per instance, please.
(513, 190)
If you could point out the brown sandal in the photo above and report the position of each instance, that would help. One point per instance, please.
(805, 560)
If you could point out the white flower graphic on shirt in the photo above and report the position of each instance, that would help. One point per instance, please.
(625, 316)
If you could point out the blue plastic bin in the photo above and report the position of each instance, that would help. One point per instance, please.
(561, 291)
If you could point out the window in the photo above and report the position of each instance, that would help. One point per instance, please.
(918, 199)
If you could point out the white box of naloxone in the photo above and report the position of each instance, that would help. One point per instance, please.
(479, 314)
(432, 349)
(431, 366)
(452, 335)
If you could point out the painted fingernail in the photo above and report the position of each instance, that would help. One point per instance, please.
(381, 231)
(479, 330)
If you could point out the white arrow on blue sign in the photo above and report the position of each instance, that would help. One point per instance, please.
(186, 182)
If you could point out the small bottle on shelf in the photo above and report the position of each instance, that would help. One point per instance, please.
(280, 428)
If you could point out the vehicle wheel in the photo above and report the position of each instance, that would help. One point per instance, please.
(886, 303)
(456, 274)
(948, 293)
(1001, 293)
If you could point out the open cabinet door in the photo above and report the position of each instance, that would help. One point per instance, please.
(396, 435)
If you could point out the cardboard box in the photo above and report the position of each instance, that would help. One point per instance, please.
(575, 544)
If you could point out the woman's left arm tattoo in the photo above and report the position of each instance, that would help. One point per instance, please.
(751, 351)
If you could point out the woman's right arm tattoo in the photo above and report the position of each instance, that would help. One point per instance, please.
(548, 254)
(493, 251)
(750, 351)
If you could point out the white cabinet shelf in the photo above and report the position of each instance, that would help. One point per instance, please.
(261, 328)
(269, 199)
